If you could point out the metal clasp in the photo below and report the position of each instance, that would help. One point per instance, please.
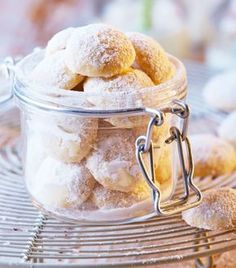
(7, 69)
(144, 145)
(7, 66)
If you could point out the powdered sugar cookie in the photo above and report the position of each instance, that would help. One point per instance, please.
(220, 92)
(117, 92)
(151, 58)
(212, 155)
(62, 185)
(88, 204)
(227, 128)
(67, 138)
(108, 199)
(52, 72)
(99, 50)
(216, 212)
(113, 162)
(132, 79)
(58, 41)
(226, 260)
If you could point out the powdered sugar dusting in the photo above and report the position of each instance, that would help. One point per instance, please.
(132, 79)
(68, 138)
(151, 58)
(119, 91)
(227, 128)
(59, 41)
(52, 71)
(107, 199)
(73, 182)
(99, 50)
(216, 212)
(113, 160)
(220, 92)
(226, 260)
(212, 155)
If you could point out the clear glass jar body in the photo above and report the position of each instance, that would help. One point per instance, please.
(82, 166)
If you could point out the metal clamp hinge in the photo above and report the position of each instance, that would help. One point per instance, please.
(144, 145)
(7, 70)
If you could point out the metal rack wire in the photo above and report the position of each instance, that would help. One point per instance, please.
(30, 239)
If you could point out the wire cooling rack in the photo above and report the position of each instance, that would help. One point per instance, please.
(30, 239)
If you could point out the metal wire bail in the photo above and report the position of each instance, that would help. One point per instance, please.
(7, 69)
(144, 145)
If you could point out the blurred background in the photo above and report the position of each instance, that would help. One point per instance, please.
(192, 29)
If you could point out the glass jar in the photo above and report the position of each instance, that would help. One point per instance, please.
(9, 113)
(86, 159)
(5, 83)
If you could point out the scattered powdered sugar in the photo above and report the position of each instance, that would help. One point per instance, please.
(99, 50)
(216, 212)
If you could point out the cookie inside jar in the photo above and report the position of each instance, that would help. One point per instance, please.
(81, 99)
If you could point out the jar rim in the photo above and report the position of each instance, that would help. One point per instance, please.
(76, 102)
